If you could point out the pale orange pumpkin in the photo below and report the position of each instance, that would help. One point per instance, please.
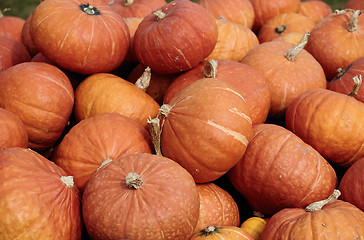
(316, 10)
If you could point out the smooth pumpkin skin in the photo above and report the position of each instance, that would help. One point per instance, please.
(291, 22)
(288, 172)
(333, 45)
(192, 36)
(207, 128)
(235, 11)
(112, 94)
(343, 82)
(249, 82)
(223, 233)
(338, 220)
(26, 39)
(11, 26)
(217, 207)
(166, 206)
(12, 52)
(316, 10)
(41, 95)
(354, 4)
(13, 130)
(286, 79)
(109, 136)
(34, 202)
(135, 8)
(330, 122)
(99, 43)
(351, 185)
(254, 226)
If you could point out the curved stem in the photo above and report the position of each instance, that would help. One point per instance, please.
(353, 22)
(144, 80)
(357, 83)
(320, 204)
(292, 54)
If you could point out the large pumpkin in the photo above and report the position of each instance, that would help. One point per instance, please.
(38, 200)
(287, 172)
(84, 37)
(13, 131)
(41, 95)
(147, 197)
(205, 128)
(192, 35)
(330, 122)
(12, 52)
(96, 141)
(135, 8)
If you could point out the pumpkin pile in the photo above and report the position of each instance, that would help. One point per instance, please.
(209, 119)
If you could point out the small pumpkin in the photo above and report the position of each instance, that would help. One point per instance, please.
(12, 52)
(316, 10)
(135, 8)
(148, 197)
(13, 131)
(222, 233)
(11, 26)
(254, 226)
(192, 36)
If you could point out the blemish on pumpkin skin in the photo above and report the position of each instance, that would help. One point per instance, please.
(238, 136)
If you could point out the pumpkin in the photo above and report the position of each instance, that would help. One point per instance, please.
(109, 136)
(12, 52)
(11, 26)
(135, 8)
(288, 172)
(26, 39)
(148, 197)
(343, 81)
(334, 221)
(99, 43)
(265, 10)
(205, 128)
(41, 95)
(336, 41)
(288, 69)
(217, 207)
(112, 94)
(192, 36)
(13, 131)
(351, 185)
(222, 233)
(316, 10)
(354, 4)
(284, 23)
(233, 41)
(336, 130)
(254, 226)
(249, 83)
(292, 37)
(37, 197)
(235, 11)
(132, 23)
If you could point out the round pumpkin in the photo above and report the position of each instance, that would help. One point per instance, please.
(330, 122)
(11, 26)
(135, 8)
(287, 171)
(222, 233)
(217, 207)
(343, 81)
(205, 128)
(337, 220)
(288, 69)
(283, 24)
(37, 197)
(249, 83)
(41, 95)
(337, 41)
(316, 10)
(352, 184)
(254, 226)
(112, 94)
(13, 131)
(149, 197)
(236, 11)
(293, 37)
(12, 52)
(99, 43)
(95, 141)
(192, 36)
(26, 38)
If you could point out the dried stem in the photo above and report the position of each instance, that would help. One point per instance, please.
(353, 22)
(127, 2)
(357, 83)
(292, 54)
(210, 69)
(133, 181)
(320, 204)
(68, 180)
(144, 80)
(106, 161)
(159, 15)
(155, 132)
(280, 29)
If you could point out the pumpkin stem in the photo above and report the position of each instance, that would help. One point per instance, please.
(155, 132)
(353, 22)
(357, 83)
(280, 29)
(210, 69)
(258, 214)
(106, 161)
(4, 10)
(89, 9)
(292, 53)
(208, 231)
(127, 2)
(133, 181)
(68, 180)
(159, 15)
(318, 205)
(340, 72)
(144, 81)
(164, 110)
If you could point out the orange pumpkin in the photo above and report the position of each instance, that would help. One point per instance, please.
(132, 24)
(12, 52)
(316, 10)
(235, 11)
(293, 37)
(135, 8)
(11, 26)
(288, 172)
(26, 39)
(37, 197)
(354, 4)
(148, 197)
(330, 122)
(13, 131)
(222, 233)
